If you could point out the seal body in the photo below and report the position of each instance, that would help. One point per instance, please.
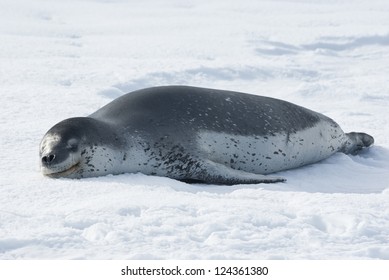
(195, 135)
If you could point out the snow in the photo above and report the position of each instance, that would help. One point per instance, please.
(61, 59)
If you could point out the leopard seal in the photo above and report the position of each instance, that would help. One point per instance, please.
(195, 135)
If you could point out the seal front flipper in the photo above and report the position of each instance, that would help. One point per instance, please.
(219, 174)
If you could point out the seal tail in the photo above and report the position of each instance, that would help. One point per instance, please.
(356, 141)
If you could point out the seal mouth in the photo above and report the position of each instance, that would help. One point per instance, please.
(63, 173)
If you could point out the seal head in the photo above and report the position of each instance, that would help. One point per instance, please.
(73, 147)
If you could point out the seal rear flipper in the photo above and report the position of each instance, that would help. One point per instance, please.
(356, 141)
(219, 174)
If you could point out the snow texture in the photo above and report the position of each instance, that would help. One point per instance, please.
(61, 59)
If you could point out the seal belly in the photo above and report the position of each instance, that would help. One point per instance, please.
(272, 153)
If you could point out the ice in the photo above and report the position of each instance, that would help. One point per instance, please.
(61, 59)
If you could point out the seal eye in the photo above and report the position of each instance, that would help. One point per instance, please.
(73, 145)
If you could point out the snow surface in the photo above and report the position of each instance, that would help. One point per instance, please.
(61, 59)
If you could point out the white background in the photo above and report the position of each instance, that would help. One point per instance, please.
(277, 270)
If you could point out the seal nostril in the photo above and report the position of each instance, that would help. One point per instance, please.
(48, 159)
